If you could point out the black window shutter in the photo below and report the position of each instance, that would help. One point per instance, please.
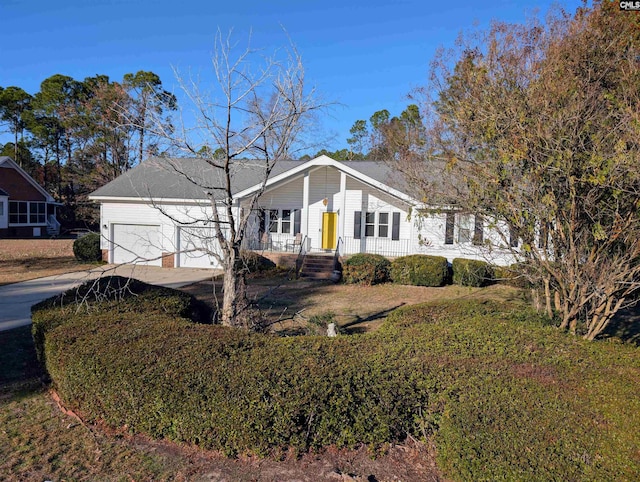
(297, 219)
(395, 228)
(357, 224)
(448, 230)
(478, 234)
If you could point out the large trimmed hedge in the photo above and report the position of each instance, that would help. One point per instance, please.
(420, 270)
(504, 396)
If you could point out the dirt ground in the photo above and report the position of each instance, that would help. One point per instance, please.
(25, 259)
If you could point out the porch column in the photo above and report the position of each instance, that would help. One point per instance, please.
(343, 206)
(304, 215)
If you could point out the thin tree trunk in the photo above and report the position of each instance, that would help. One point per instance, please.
(536, 299)
(547, 298)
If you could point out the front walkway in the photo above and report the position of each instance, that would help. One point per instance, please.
(16, 299)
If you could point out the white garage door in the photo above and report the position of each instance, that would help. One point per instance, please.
(196, 246)
(136, 243)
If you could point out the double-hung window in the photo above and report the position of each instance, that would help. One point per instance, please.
(273, 221)
(286, 221)
(383, 225)
(283, 221)
(369, 224)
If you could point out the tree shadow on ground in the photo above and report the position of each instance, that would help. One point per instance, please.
(625, 326)
(359, 324)
(20, 371)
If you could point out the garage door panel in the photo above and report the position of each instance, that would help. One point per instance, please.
(137, 244)
(197, 246)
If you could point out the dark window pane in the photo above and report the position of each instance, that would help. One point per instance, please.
(369, 230)
(383, 231)
(273, 221)
(513, 238)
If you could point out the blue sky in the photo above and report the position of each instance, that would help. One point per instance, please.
(364, 55)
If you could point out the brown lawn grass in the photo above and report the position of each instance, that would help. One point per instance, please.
(289, 304)
(25, 259)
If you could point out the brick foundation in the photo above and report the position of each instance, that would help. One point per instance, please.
(105, 255)
(281, 259)
(168, 260)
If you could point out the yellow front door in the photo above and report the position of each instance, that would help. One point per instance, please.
(329, 230)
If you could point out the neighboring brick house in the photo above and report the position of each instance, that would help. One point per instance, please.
(26, 209)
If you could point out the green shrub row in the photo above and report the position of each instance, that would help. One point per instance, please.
(416, 269)
(87, 248)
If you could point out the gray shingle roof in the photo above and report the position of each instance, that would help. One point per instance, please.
(193, 178)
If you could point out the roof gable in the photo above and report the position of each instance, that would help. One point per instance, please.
(8, 163)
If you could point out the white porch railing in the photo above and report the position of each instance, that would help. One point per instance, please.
(383, 246)
(348, 245)
(274, 242)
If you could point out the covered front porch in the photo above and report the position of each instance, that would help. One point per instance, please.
(325, 209)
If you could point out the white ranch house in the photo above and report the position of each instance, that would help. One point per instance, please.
(160, 213)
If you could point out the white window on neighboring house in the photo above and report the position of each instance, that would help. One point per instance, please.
(1, 209)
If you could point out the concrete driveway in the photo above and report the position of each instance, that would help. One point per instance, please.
(16, 299)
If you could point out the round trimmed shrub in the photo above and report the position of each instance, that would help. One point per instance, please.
(471, 272)
(366, 269)
(419, 270)
(87, 248)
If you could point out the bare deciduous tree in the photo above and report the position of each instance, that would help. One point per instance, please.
(539, 124)
(253, 116)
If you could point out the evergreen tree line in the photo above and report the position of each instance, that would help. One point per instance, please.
(73, 136)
